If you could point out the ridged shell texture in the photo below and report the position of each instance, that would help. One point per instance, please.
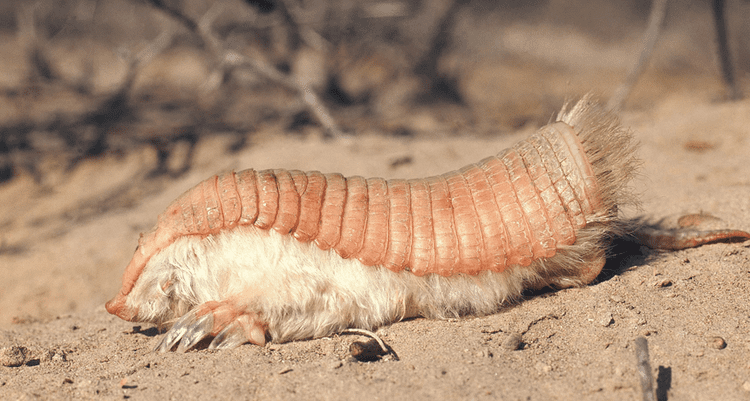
(509, 209)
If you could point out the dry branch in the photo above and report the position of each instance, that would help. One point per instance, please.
(230, 59)
(655, 23)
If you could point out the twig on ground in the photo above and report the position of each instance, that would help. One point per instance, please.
(369, 351)
(369, 334)
(644, 369)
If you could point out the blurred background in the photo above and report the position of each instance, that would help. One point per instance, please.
(86, 78)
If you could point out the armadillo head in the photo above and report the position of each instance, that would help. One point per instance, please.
(145, 292)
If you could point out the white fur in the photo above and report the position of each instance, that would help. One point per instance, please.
(301, 291)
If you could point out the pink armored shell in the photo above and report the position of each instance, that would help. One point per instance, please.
(505, 210)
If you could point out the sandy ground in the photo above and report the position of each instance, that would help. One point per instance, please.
(65, 243)
(577, 343)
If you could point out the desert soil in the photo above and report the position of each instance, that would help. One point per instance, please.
(65, 242)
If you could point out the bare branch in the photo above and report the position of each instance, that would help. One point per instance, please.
(655, 23)
(232, 59)
(306, 34)
(643, 366)
(727, 71)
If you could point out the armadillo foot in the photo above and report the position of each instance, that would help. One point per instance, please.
(197, 328)
(243, 329)
(229, 325)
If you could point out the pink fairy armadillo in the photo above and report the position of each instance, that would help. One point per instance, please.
(285, 255)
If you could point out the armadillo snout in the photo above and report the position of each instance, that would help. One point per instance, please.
(117, 307)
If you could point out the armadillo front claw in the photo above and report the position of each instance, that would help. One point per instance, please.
(231, 337)
(243, 329)
(196, 332)
(234, 328)
(182, 327)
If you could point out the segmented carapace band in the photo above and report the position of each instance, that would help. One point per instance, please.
(505, 210)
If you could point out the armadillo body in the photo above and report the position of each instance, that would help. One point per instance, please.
(286, 255)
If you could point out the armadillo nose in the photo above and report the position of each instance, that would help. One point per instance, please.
(111, 306)
(117, 307)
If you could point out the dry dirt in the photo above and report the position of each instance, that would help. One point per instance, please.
(65, 242)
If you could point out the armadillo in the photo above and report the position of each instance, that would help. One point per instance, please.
(276, 255)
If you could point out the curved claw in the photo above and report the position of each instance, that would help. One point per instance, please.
(232, 336)
(243, 329)
(177, 331)
(234, 327)
(196, 332)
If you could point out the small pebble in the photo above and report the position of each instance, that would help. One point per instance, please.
(485, 353)
(13, 356)
(605, 319)
(273, 346)
(56, 355)
(616, 299)
(665, 282)
(513, 342)
(746, 386)
(717, 342)
(367, 351)
(543, 368)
